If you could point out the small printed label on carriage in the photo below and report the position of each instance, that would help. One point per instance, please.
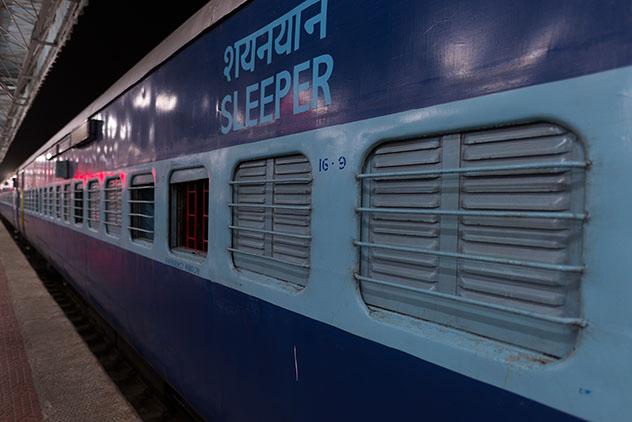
(182, 265)
(325, 164)
(305, 85)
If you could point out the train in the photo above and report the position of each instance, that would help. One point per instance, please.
(309, 210)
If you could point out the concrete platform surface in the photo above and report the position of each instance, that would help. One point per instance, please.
(47, 373)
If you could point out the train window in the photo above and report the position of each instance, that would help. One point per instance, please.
(44, 201)
(141, 216)
(480, 231)
(189, 211)
(58, 202)
(51, 201)
(93, 204)
(113, 206)
(78, 203)
(67, 202)
(271, 217)
(27, 200)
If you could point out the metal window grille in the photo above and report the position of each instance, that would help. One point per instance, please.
(67, 202)
(141, 223)
(271, 217)
(51, 201)
(113, 206)
(58, 202)
(481, 231)
(38, 199)
(78, 203)
(93, 204)
(191, 212)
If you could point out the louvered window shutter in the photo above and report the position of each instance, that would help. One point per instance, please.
(402, 269)
(272, 217)
(480, 231)
(113, 206)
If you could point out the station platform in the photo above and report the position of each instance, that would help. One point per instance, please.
(47, 372)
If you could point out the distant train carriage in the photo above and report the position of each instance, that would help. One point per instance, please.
(393, 210)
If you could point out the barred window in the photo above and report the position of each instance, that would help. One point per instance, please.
(58, 202)
(189, 211)
(271, 217)
(67, 202)
(27, 200)
(78, 203)
(141, 216)
(480, 231)
(113, 206)
(51, 201)
(38, 193)
(93, 204)
(47, 201)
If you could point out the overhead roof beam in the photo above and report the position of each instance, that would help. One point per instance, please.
(32, 33)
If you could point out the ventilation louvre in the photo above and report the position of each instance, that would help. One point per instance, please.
(272, 217)
(480, 231)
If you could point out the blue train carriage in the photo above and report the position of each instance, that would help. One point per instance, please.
(310, 210)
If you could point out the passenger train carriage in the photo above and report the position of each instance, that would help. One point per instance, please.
(393, 210)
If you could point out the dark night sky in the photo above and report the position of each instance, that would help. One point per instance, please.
(110, 37)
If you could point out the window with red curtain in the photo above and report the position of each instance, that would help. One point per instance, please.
(189, 230)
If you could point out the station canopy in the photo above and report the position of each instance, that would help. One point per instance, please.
(32, 32)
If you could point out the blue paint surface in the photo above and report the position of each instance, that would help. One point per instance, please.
(387, 57)
(233, 355)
